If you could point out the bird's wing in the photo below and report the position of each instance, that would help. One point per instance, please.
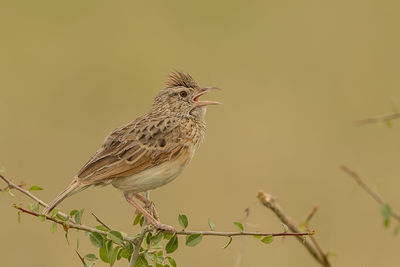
(132, 148)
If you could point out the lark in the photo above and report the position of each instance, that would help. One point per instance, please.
(151, 150)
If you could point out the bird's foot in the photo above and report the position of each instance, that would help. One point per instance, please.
(148, 205)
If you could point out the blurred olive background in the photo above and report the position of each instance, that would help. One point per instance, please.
(295, 76)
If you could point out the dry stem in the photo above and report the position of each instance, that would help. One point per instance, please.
(378, 198)
(143, 231)
(383, 118)
(270, 202)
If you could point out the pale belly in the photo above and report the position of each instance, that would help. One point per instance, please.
(151, 178)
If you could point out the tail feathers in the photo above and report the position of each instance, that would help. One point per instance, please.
(71, 189)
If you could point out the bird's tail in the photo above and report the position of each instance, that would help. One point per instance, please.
(74, 187)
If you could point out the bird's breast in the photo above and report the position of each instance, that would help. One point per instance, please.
(155, 176)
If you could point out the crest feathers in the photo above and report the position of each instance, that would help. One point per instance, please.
(179, 79)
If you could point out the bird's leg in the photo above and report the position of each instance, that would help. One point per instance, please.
(148, 204)
(150, 218)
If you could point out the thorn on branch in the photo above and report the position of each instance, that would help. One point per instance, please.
(100, 221)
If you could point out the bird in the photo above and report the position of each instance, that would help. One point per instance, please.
(151, 150)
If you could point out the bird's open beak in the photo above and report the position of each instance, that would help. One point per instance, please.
(205, 102)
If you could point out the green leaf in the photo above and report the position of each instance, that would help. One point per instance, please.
(183, 220)
(103, 254)
(211, 224)
(102, 228)
(90, 257)
(257, 236)
(54, 213)
(137, 218)
(125, 254)
(78, 216)
(34, 207)
(119, 254)
(96, 239)
(116, 237)
(193, 240)
(42, 217)
(386, 212)
(239, 225)
(105, 251)
(73, 212)
(19, 216)
(129, 247)
(157, 238)
(152, 257)
(53, 227)
(171, 261)
(109, 245)
(148, 238)
(388, 123)
(35, 188)
(113, 255)
(168, 235)
(229, 242)
(141, 261)
(58, 216)
(127, 251)
(268, 239)
(172, 245)
(78, 242)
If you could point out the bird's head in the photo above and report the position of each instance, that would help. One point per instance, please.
(181, 97)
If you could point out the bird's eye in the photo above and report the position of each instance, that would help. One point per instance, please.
(183, 94)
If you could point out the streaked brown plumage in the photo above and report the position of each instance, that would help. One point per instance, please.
(151, 150)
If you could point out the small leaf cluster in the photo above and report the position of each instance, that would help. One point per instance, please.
(264, 239)
(112, 246)
(154, 250)
(386, 212)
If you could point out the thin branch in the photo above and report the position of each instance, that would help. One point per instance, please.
(306, 227)
(383, 118)
(21, 184)
(310, 216)
(81, 258)
(378, 198)
(12, 185)
(138, 245)
(100, 221)
(137, 241)
(230, 234)
(270, 202)
(71, 225)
